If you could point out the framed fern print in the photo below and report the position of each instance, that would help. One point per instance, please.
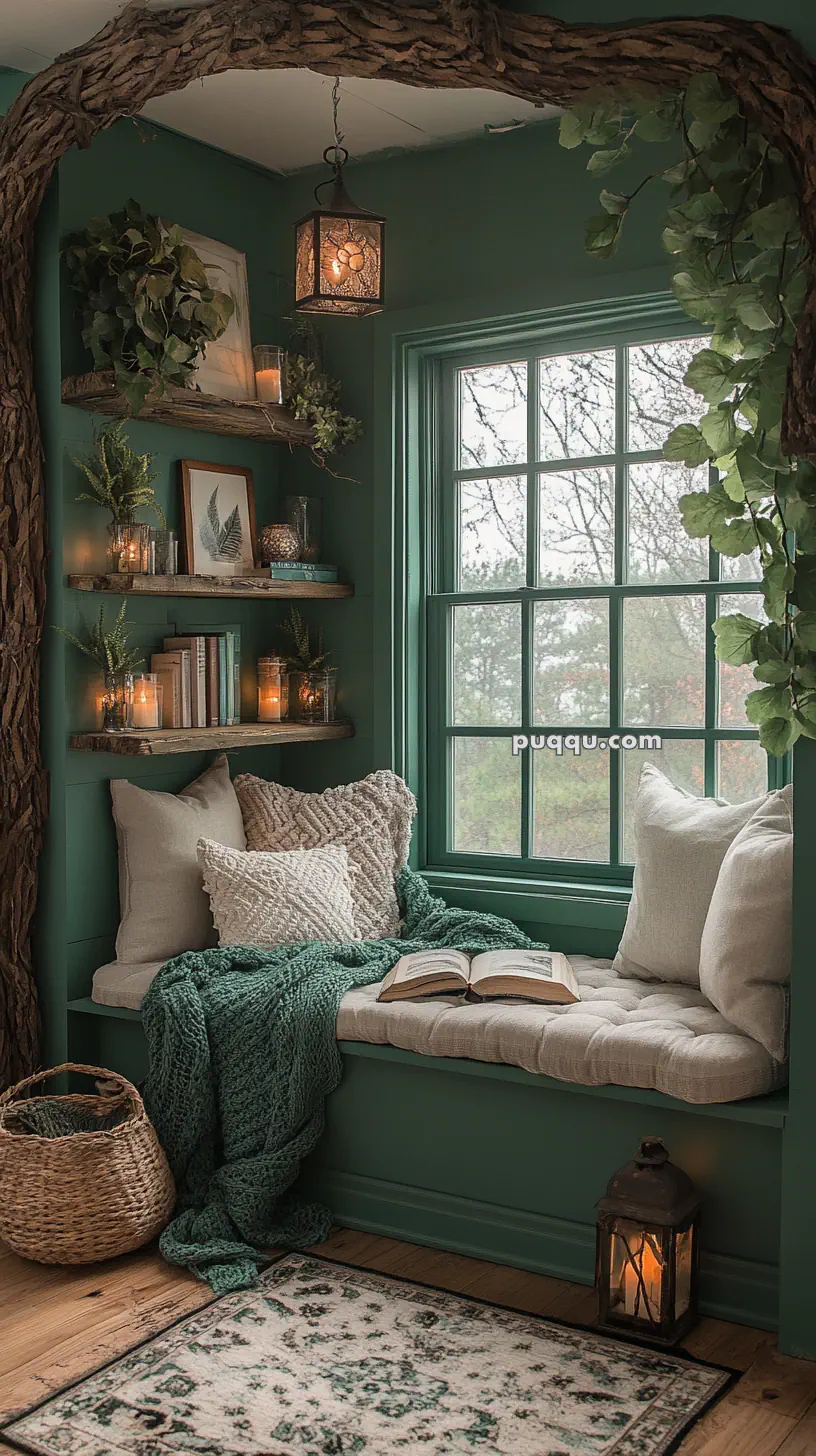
(218, 515)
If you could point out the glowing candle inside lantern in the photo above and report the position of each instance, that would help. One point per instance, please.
(273, 690)
(146, 703)
(642, 1282)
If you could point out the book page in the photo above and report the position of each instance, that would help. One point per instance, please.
(429, 963)
(539, 965)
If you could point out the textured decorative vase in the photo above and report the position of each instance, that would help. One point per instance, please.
(129, 547)
(279, 543)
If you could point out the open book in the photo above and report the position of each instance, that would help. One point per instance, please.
(531, 975)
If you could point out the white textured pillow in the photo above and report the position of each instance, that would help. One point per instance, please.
(163, 906)
(680, 844)
(745, 950)
(279, 898)
(371, 818)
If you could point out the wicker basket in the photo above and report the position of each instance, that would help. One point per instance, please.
(89, 1196)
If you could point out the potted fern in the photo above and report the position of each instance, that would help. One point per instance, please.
(312, 683)
(110, 652)
(121, 482)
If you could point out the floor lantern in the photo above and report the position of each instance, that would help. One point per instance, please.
(648, 1249)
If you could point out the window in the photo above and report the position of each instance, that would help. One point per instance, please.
(567, 600)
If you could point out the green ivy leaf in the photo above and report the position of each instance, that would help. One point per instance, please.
(737, 538)
(770, 702)
(772, 666)
(572, 129)
(686, 443)
(777, 735)
(719, 430)
(709, 374)
(605, 160)
(772, 225)
(707, 100)
(736, 638)
(804, 630)
(602, 233)
(615, 203)
(748, 303)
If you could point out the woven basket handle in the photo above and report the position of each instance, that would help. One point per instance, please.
(126, 1090)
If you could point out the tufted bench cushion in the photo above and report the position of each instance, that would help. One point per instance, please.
(625, 1032)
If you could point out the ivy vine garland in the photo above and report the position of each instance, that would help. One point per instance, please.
(740, 267)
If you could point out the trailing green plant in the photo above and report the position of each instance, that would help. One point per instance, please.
(301, 657)
(315, 397)
(739, 267)
(121, 481)
(108, 649)
(148, 309)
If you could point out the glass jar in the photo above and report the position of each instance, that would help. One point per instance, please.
(313, 695)
(273, 690)
(129, 547)
(268, 361)
(304, 514)
(279, 543)
(145, 701)
(162, 552)
(116, 701)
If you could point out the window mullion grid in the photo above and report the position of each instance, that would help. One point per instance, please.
(712, 687)
(616, 603)
(527, 607)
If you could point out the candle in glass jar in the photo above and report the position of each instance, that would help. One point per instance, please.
(268, 384)
(268, 362)
(273, 690)
(146, 702)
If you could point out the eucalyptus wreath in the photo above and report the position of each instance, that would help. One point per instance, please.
(739, 266)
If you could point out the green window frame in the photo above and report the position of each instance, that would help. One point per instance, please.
(444, 475)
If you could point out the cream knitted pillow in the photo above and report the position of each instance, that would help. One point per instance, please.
(371, 818)
(276, 899)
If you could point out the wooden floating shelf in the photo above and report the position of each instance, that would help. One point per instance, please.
(190, 410)
(209, 586)
(138, 743)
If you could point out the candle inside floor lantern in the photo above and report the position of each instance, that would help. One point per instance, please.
(273, 690)
(146, 701)
(268, 360)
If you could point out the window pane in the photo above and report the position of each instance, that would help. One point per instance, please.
(493, 415)
(682, 761)
(576, 412)
(658, 398)
(740, 568)
(576, 543)
(571, 805)
(742, 771)
(487, 797)
(487, 665)
(735, 683)
(571, 663)
(492, 533)
(664, 661)
(659, 549)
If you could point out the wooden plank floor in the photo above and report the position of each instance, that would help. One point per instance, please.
(58, 1324)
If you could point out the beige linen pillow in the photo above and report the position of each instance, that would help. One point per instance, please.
(279, 898)
(745, 950)
(372, 818)
(680, 844)
(164, 908)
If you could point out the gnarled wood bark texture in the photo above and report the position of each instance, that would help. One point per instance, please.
(148, 51)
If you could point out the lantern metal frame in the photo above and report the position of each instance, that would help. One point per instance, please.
(323, 300)
(661, 1200)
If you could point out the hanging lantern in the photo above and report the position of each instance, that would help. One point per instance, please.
(648, 1248)
(339, 256)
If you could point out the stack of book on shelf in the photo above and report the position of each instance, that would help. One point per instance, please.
(297, 571)
(201, 678)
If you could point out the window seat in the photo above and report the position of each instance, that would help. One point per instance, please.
(624, 1032)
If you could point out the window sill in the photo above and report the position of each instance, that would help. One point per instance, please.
(556, 902)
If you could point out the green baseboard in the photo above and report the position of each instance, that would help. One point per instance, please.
(732, 1289)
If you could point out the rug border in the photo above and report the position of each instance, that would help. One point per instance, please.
(683, 1356)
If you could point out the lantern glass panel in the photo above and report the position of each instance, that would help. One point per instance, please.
(350, 250)
(684, 1265)
(636, 1265)
(304, 261)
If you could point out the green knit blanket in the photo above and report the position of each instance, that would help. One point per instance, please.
(243, 1054)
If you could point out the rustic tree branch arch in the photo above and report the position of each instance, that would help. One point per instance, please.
(147, 52)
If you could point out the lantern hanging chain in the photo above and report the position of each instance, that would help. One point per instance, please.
(338, 135)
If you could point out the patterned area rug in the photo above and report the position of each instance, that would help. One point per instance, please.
(322, 1360)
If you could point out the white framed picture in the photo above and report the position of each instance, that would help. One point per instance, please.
(218, 512)
(225, 368)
